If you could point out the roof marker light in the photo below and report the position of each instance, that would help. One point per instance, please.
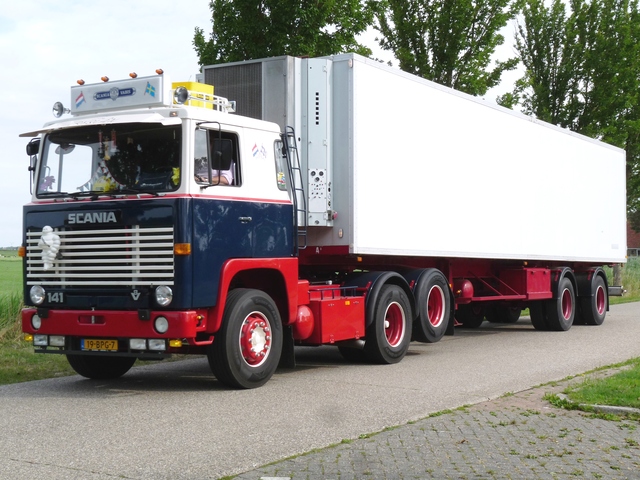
(159, 71)
(104, 79)
(80, 82)
(133, 75)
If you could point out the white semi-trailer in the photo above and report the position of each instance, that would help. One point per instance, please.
(375, 208)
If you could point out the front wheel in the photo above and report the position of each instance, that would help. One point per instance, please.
(389, 334)
(100, 367)
(246, 351)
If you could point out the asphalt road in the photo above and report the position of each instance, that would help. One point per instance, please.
(175, 421)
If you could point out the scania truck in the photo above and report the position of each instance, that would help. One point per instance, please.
(308, 201)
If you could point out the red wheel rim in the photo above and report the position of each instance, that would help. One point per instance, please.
(435, 306)
(567, 304)
(255, 339)
(394, 324)
(601, 300)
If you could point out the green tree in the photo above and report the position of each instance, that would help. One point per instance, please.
(448, 41)
(247, 29)
(582, 71)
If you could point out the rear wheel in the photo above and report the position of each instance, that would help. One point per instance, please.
(246, 351)
(389, 333)
(470, 316)
(594, 308)
(355, 355)
(100, 367)
(538, 313)
(503, 314)
(562, 310)
(432, 301)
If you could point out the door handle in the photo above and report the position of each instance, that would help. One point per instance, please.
(245, 219)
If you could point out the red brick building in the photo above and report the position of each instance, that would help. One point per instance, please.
(633, 242)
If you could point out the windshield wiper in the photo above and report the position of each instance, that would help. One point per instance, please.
(134, 191)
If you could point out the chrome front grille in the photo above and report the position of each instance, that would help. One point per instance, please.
(132, 257)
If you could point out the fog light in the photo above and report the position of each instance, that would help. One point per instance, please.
(56, 340)
(36, 322)
(137, 344)
(27, 337)
(161, 325)
(40, 340)
(164, 295)
(36, 294)
(175, 343)
(158, 344)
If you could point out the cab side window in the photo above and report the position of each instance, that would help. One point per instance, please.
(217, 159)
(282, 178)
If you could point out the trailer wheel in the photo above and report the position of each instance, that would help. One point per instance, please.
(593, 309)
(432, 301)
(246, 351)
(100, 367)
(389, 334)
(503, 314)
(470, 316)
(354, 355)
(538, 313)
(561, 310)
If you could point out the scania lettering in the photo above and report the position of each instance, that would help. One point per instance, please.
(315, 201)
(95, 217)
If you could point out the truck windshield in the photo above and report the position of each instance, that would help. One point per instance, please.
(110, 159)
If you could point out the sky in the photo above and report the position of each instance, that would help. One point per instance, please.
(47, 45)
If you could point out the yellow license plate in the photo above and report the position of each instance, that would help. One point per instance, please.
(99, 344)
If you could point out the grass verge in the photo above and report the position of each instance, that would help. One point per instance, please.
(621, 389)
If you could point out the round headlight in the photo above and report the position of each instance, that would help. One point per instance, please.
(161, 325)
(181, 95)
(36, 322)
(164, 295)
(36, 294)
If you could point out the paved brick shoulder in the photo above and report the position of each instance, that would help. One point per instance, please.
(515, 437)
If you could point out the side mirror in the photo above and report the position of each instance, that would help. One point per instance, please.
(222, 150)
(33, 147)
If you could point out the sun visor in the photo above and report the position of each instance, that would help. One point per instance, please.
(105, 120)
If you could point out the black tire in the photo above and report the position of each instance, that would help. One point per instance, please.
(433, 304)
(538, 313)
(389, 334)
(354, 355)
(246, 351)
(593, 309)
(561, 311)
(470, 316)
(503, 314)
(100, 367)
